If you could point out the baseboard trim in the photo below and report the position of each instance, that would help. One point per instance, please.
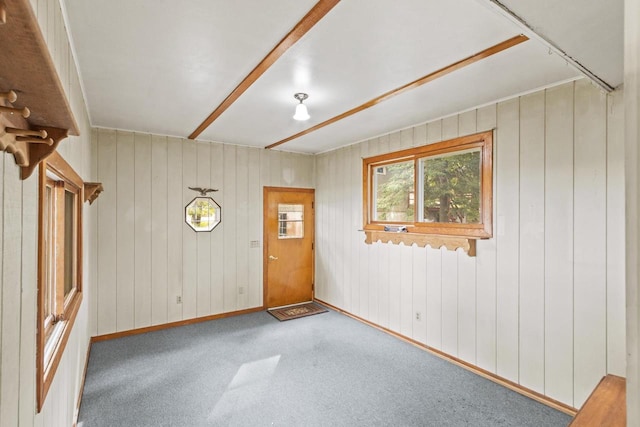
(569, 410)
(170, 325)
(84, 378)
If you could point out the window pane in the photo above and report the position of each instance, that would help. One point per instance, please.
(290, 221)
(393, 192)
(49, 285)
(452, 187)
(69, 241)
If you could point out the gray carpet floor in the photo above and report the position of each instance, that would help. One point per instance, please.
(323, 370)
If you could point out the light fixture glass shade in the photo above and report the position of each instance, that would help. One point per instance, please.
(301, 112)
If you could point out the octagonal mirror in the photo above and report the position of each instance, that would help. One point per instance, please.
(203, 214)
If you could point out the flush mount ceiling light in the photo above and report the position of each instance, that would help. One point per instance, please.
(301, 109)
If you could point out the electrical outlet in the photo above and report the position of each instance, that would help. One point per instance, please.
(418, 315)
(254, 244)
(178, 299)
(241, 290)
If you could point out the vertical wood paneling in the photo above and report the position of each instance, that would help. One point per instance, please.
(349, 228)
(321, 206)
(467, 124)
(558, 250)
(175, 224)
(507, 202)
(92, 226)
(419, 300)
(10, 308)
(356, 237)
(159, 231)
(125, 231)
(616, 358)
(203, 240)
(531, 277)
(142, 255)
(590, 244)
(217, 234)
(449, 301)
(486, 310)
(338, 228)
(18, 259)
(434, 269)
(28, 298)
(405, 300)
(189, 237)
(254, 292)
(230, 224)
(394, 288)
(242, 236)
(363, 249)
(107, 261)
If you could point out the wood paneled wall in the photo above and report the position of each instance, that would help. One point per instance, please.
(18, 260)
(543, 302)
(148, 256)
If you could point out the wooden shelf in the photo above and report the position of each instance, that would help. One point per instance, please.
(28, 70)
(435, 241)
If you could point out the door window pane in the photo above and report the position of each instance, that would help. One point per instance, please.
(451, 187)
(290, 221)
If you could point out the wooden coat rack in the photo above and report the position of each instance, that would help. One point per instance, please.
(34, 111)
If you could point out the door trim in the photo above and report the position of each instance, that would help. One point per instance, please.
(265, 241)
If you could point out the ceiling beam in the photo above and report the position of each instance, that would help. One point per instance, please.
(301, 28)
(414, 84)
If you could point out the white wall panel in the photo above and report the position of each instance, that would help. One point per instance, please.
(486, 309)
(175, 223)
(159, 231)
(590, 240)
(559, 243)
(18, 261)
(203, 240)
(531, 274)
(189, 237)
(217, 243)
(242, 236)
(125, 225)
(142, 243)
(616, 358)
(507, 239)
(214, 272)
(510, 309)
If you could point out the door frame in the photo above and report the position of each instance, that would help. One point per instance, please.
(265, 240)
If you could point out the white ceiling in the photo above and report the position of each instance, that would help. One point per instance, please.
(161, 67)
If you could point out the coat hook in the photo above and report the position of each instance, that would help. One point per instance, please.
(9, 96)
(26, 132)
(30, 140)
(24, 112)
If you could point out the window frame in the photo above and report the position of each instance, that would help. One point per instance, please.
(481, 230)
(56, 174)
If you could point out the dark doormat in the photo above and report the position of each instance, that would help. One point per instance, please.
(297, 311)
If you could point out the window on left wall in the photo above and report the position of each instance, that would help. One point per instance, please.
(59, 264)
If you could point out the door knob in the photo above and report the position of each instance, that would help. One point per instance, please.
(273, 257)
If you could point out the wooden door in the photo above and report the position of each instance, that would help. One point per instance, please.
(288, 249)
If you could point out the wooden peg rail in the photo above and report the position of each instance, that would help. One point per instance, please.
(9, 96)
(34, 110)
(26, 132)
